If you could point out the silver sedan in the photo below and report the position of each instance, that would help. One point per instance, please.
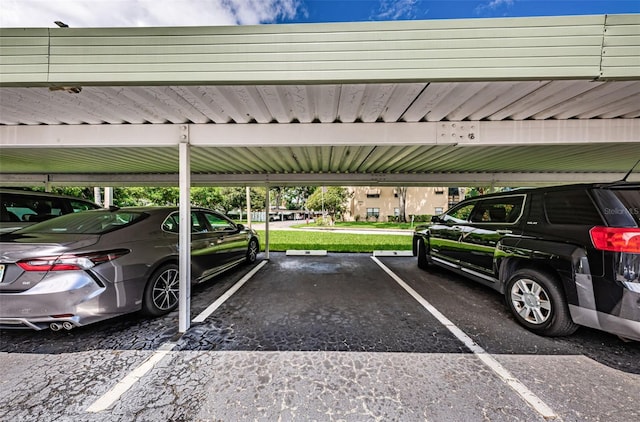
(81, 268)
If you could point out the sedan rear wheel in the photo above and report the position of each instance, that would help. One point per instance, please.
(252, 251)
(538, 303)
(162, 290)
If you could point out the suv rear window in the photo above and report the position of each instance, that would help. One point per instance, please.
(620, 205)
(630, 198)
(571, 207)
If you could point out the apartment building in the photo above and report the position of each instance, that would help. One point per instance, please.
(380, 203)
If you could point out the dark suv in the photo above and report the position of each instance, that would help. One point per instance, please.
(563, 256)
(20, 208)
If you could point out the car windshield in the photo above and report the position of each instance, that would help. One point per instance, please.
(88, 222)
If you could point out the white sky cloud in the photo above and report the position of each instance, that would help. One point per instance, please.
(493, 5)
(105, 13)
(396, 9)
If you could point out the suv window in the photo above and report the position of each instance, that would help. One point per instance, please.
(630, 199)
(25, 208)
(506, 209)
(459, 214)
(619, 205)
(571, 207)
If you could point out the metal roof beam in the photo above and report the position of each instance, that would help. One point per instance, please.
(340, 179)
(326, 134)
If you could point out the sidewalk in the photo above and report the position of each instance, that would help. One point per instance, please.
(286, 225)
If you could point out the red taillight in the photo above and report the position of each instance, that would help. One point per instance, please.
(70, 262)
(616, 239)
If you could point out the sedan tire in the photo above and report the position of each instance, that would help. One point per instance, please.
(537, 301)
(162, 290)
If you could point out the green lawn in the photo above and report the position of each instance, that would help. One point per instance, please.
(282, 240)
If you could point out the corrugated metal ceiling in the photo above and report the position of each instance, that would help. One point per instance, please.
(338, 104)
(470, 101)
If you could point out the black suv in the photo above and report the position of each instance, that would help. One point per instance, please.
(563, 256)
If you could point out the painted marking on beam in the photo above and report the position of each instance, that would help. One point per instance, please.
(110, 397)
(313, 252)
(215, 305)
(392, 253)
(534, 401)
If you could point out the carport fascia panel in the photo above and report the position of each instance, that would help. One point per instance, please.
(319, 53)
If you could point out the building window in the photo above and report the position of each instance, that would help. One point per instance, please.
(373, 193)
(439, 191)
(373, 212)
(439, 210)
(396, 212)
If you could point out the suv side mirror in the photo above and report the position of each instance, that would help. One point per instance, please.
(436, 219)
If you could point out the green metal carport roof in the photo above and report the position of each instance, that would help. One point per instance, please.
(458, 102)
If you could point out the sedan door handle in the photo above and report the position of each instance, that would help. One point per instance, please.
(504, 231)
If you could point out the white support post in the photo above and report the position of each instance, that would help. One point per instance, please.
(97, 198)
(248, 207)
(108, 197)
(267, 207)
(184, 303)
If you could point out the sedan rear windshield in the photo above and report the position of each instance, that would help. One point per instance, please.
(88, 222)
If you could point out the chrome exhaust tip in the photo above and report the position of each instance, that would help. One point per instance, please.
(67, 325)
(55, 326)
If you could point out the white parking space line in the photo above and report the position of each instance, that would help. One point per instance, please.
(215, 305)
(113, 395)
(392, 253)
(534, 401)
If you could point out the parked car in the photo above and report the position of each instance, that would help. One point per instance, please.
(20, 208)
(563, 256)
(85, 267)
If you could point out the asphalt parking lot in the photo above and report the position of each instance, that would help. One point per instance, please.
(322, 338)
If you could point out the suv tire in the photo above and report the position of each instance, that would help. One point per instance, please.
(421, 251)
(537, 301)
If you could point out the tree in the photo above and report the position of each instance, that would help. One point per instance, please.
(295, 197)
(206, 197)
(332, 199)
(137, 196)
(402, 203)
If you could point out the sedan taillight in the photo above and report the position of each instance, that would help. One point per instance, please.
(70, 262)
(616, 239)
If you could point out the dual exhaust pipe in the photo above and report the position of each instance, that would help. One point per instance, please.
(56, 326)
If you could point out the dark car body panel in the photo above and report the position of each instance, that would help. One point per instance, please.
(601, 287)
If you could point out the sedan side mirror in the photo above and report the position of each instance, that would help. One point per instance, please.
(436, 219)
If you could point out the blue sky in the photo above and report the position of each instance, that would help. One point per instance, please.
(365, 10)
(105, 13)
